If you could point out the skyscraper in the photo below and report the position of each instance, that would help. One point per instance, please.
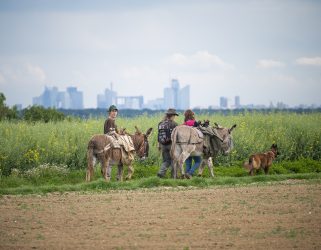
(108, 98)
(75, 97)
(174, 97)
(237, 102)
(52, 98)
(184, 98)
(223, 102)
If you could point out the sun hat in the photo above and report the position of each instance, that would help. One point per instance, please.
(171, 112)
(112, 108)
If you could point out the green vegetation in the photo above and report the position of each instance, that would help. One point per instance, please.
(18, 185)
(30, 114)
(5, 112)
(53, 153)
(51, 178)
(38, 113)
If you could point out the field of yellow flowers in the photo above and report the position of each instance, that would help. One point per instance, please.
(24, 146)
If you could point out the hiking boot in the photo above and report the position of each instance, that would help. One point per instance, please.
(159, 175)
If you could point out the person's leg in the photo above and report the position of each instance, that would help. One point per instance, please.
(188, 164)
(197, 162)
(166, 161)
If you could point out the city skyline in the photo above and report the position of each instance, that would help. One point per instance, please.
(262, 51)
(173, 97)
(72, 98)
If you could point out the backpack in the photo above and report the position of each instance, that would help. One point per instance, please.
(164, 132)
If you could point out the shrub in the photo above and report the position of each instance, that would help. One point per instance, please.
(39, 113)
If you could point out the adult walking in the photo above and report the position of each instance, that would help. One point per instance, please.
(189, 120)
(165, 128)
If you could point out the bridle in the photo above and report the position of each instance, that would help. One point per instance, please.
(143, 148)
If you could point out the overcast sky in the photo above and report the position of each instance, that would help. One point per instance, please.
(263, 51)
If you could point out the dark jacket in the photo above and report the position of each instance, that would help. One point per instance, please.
(110, 125)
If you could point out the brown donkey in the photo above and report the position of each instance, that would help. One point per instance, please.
(262, 160)
(100, 148)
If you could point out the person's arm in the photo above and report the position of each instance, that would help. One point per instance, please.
(106, 127)
(109, 126)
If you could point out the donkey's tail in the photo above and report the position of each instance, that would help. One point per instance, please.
(174, 139)
(90, 161)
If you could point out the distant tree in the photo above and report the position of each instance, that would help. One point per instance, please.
(6, 112)
(39, 113)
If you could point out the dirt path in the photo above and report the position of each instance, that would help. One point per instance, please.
(279, 216)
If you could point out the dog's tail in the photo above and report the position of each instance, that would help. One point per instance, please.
(248, 164)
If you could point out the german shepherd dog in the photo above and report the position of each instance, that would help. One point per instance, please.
(262, 160)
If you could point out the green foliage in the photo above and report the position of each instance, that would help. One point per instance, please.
(5, 112)
(39, 113)
(26, 145)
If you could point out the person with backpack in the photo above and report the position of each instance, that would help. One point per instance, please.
(189, 120)
(165, 128)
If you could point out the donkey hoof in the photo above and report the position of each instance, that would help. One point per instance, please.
(188, 176)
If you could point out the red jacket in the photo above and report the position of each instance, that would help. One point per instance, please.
(190, 123)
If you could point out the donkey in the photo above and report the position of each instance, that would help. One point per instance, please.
(188, 141)
(100, 148)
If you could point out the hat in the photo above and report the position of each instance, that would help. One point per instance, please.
(171, 112)
(112, 107)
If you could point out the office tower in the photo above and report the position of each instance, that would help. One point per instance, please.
(237, 102)
(223, 102)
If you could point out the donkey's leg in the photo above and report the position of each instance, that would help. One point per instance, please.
(173, 158)
(210, 166)
(130, 171)
(182, 158)
(105, 167)
(90, 164)
(174, 170)
(90, 169)
(201, 167)
(120, 172)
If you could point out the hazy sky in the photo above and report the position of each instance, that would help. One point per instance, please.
(263, 51)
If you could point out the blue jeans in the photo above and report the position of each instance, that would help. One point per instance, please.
(189, 168)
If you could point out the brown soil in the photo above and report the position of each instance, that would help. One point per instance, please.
(278, 216)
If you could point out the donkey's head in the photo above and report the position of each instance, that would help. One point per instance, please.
(227, 143)
(141, 144)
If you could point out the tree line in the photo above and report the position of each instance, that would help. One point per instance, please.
(39, 113)
(31, 113)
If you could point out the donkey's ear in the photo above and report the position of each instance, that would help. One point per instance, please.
(231, 129)
(137, 130)
(149, 131)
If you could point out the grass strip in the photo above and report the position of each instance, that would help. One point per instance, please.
(153, 182)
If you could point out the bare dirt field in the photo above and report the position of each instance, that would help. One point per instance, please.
(286, 215)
